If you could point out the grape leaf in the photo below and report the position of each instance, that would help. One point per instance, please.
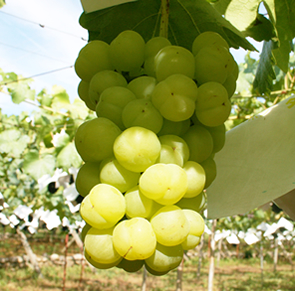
(282, 14)
(2, 3)
(187, 19)
(265, 72)
(221, 5)
(261, 29)
(60, 98)
(68, 157)
(13, 142)
(37, 166)
(21, 92)
(241, 14)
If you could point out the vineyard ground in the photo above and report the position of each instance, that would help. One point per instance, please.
(230, 274)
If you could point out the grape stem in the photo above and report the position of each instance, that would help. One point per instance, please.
(164, 18)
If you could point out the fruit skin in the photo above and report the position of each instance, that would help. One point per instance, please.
(174, 60)
(170, 225)
(175, 97)
(213, 106)
(94, 139)
(92, 58)
(137, 148)
(134, 239)
(87, 177)
(103, 207)
(127, 51)
(164, 259)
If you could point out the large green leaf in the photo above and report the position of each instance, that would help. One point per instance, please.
(187, 19)
(265, 72)
(37, 166)
(12, 142)
(242, 13)
(20, 92)
(68, 157)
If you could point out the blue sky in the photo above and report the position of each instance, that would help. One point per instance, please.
(28, 49)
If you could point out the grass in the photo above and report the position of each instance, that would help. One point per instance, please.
(230, 274)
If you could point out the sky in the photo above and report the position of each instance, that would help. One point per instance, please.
(29, 50)
(41, 39)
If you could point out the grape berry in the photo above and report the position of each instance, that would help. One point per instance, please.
(149, 152)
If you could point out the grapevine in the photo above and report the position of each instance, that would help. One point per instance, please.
(149, 152)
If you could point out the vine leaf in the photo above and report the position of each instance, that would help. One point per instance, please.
(37, 166)
(265, 73)
(68, 157)
(13, 142)
(2, 3)
(20, 92)
(187, 19)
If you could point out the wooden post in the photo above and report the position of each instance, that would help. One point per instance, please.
(65, 263)
(179, 276)
(211, 258)
(32, 257)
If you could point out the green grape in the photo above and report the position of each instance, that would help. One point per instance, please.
(112, 102)
(113, 173)
(87, 177)
(196, 179)
(152, 47)
(99, 265)
(218, 135)
(84, 231)
(142, 112)
(209, 166)
(164, 183)
(164, 259)
(83, 89)
(196, 203)
(103, 207)
(137, 204)
(83, 92)
(92, 58)
(134, 239)
(94, 139)
(103, 80)
(197, 227)
(137, 148)
(230, 84)
(170, 225)
(142, 86)
(200, 143)
(213, 106)
(127, 51)
(99, 246)
(175, 97)
(130, 266)
(213, 64)
(178, 146)
(172, 60)
(208, 38)
(169, 156)
(175, 128)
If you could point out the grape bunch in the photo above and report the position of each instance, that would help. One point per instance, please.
(149, 152)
